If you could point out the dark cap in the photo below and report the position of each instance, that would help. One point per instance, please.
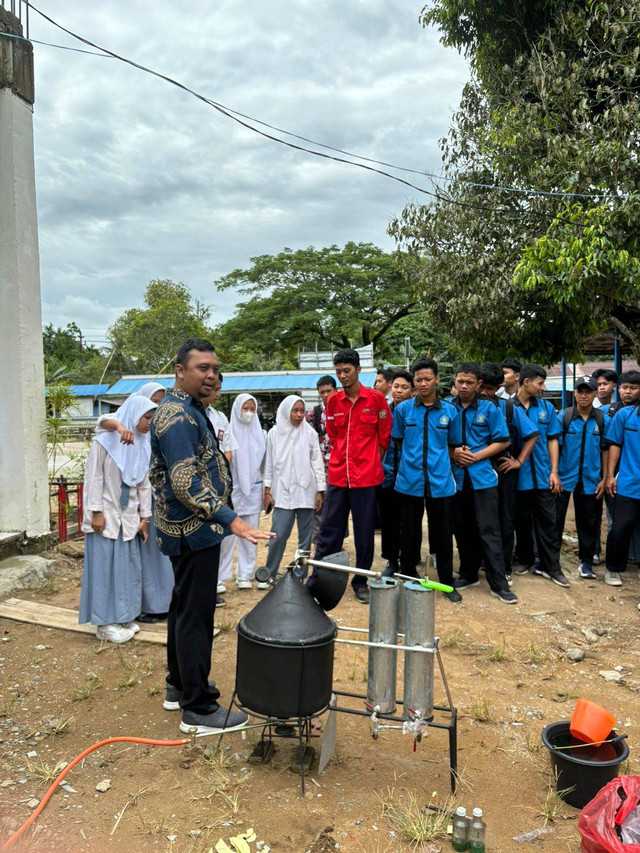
(587, 382)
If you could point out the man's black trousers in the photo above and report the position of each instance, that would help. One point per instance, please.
(190, 627)
(588, 513)
(389, 515)
(626, 512)
(440, 519)
(507, 493)
(477, 530)
(536, 509)
(338, 502)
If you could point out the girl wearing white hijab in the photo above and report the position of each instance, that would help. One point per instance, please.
(117, 507)
(157, 572)
(246, 470)
(294, 479)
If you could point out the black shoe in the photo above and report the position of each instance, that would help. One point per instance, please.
(521, 569)
(556, 577)
(463, 583)
(172, 700)
(151, 618)
(390, 569)
(453, 596)
(220, 602)
(362, 594)
(505, 595)
(214, 723)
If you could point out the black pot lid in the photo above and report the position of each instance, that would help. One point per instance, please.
(288, 616)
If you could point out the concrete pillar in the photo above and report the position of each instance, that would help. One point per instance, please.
(24, 490)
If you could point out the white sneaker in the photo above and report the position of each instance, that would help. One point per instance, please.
(132, 626)
(114, 633)
(243, 583)
(221, 588)
(262, 585)
(612, 578)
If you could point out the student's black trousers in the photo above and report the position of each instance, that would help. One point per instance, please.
(626, 512)
(389, 515)
(536, 513)
(338, 501)
(588, 513)
(190, 627)
(507, 492)
(440, 519)
(477, 530)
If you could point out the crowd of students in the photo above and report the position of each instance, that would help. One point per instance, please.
(493, 465)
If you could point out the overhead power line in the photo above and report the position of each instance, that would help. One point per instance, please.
(237, 116)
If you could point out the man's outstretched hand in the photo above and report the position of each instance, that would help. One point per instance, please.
(246, 531)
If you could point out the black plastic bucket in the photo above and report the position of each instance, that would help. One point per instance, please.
(581, 773)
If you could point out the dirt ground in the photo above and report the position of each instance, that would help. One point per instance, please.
(509, 675)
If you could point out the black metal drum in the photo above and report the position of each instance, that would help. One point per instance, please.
(285, 654)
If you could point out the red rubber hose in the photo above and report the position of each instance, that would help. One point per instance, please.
(7, 844)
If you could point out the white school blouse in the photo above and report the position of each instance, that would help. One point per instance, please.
(221, 428)
(102, 487)
(296, 497)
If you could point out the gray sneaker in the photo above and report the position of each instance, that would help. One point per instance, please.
(556, 577)
(505, 595)
(173, 697)
(216, 723)
(612, 578)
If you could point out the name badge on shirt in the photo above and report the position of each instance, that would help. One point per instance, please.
(220, 435)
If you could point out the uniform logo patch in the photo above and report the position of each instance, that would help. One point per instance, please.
(595, 429)
(444, 420)
(383, 413)
(480, 419)
(542, 416)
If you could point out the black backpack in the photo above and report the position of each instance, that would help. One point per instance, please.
(569, 413)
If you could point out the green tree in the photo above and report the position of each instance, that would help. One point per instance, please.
(146, 339)
(67, 357)
(330, 297)
(555, 109)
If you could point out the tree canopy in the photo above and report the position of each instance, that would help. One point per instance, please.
(331, 297)
(551, 120)
(145, 340)
(67, 357)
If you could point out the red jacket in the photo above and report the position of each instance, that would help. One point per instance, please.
(358, 432)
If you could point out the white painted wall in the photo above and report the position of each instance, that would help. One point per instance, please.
(24, 489)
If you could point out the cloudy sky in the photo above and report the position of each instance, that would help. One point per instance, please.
(138, 180)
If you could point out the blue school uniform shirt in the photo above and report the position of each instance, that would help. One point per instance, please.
(624, 432)
(426, 433)
(479, 425)
(391, 459)
(520, 428)
(535, 472)
(580, 449)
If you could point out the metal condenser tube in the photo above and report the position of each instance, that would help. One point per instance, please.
(419, 630)
(383, 628)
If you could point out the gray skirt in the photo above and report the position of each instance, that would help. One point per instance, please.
(111, 580)
(157, 575)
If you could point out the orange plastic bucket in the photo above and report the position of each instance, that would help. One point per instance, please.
(591, 723)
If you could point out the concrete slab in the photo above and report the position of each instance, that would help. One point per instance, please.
(21, 572)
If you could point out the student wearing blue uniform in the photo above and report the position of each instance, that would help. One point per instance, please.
(581, 467)
(480, 433)
(538, 482)
(623, 438)
(388, 504)
(606, 380)
(423, 429)
(523, 434)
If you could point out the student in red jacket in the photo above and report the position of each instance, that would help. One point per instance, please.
(358, 424)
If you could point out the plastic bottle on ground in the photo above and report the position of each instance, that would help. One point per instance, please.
(460, 834)
(477, 829)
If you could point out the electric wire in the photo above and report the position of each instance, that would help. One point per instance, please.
(233, 115)
(433, 176)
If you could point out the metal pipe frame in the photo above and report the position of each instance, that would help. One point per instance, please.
(424, 649)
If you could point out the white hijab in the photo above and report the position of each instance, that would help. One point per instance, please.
(131, 459)
(149, 389)
(291, 458)
(247, 459)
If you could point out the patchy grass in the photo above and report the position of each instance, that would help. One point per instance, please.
(481, 711)
(82, 692)
(411, 820)
(453, 641)
(535, 655)
(553, 804)
(533, 742)
(43, 773)
(498, 653)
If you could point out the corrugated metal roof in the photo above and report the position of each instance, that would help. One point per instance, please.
(236, 383)
(86, 390)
